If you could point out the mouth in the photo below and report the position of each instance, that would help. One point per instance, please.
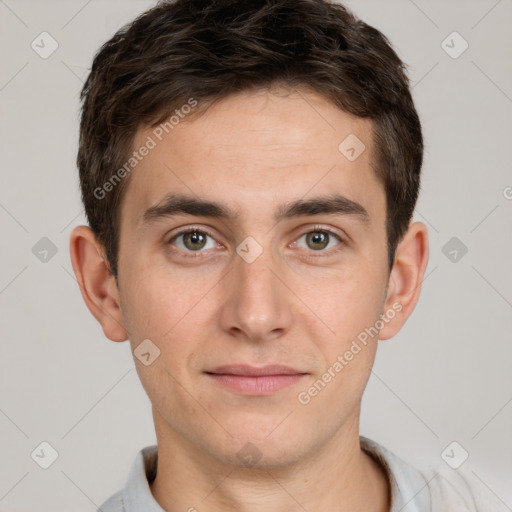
(254, 381)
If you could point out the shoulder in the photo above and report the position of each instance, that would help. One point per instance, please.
(433, 488)
(460, 490)
(113, 504)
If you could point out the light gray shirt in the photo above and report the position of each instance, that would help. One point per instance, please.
(434, 490)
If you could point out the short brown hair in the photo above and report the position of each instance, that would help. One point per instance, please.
(209, 49)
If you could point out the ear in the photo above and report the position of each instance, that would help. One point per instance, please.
(404, 285)
(97, 284)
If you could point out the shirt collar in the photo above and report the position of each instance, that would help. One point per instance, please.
(409, 489)
(137, 493)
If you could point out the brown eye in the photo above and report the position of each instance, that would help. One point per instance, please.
(193, 240)
(319, 240)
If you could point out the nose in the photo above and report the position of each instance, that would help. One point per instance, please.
(258, 304)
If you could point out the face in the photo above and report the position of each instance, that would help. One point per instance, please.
(271, 281)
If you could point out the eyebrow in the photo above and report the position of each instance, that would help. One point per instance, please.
(176, 204)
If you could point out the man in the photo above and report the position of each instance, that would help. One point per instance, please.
(249, 172)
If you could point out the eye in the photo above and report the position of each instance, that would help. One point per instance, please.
(320, 239)
(193, 240)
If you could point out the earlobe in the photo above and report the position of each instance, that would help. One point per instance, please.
(404, 286)
(97, 284)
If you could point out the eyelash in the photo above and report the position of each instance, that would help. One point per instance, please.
(314, 229)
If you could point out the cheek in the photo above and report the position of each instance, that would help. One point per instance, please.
(173, 309)
(162, 308)
(158, 299)
(349, 306)
(346, 300)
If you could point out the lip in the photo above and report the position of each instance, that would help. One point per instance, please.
(253, 371)
(253, 381)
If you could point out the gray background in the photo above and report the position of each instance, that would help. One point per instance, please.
(446, 376)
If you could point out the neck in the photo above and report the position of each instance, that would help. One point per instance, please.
(337, 476)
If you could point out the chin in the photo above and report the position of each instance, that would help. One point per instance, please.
(261, 450)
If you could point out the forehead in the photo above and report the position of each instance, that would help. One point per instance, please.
(252, 150)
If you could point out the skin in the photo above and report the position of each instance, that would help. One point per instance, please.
(295, 304)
